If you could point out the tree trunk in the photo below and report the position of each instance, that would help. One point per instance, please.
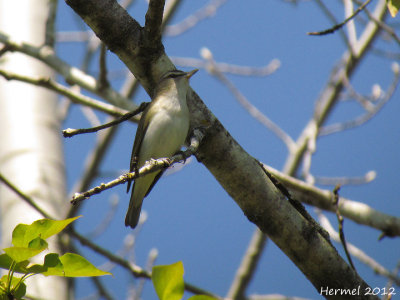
(31, 155)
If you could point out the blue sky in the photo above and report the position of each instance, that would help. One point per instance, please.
(190, 217)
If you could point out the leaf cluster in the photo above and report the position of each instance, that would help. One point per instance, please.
(29, 241)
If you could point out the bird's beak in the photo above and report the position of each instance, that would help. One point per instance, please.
(191, 73)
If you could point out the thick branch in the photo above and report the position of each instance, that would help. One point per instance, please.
(154, 18)
(358, 212)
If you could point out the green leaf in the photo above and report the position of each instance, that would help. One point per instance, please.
(3, 284)
(202, 297)
(23, 234)
(393, 6)
(168, 281)
(38, 244)
(17, 288)
(51, 260)
(6, 263)
(71, 265)
(19, 254)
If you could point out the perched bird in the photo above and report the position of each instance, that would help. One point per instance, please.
(161, 132)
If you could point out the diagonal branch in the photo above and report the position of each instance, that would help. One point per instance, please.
(150, 166)
(340, 25)
(359, 212)
(68, 92)
(71, 74)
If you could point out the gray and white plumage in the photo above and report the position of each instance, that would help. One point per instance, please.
(161, 132)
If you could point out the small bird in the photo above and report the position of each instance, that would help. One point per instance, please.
(161, 132)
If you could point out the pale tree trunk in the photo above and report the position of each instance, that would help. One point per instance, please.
(31, 155)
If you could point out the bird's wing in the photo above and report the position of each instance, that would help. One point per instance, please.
(158, 176)
(140, 133)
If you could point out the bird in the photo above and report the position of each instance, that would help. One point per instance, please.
(161, 132)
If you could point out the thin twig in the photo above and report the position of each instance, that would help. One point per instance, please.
(68, 92)
(103, 292)
(205, 12)
(24, 196)
(247, 267)
(356, 252)
(340, 25)
(229, 68)
(71, 74)
(149, 167)
(334, 128)
(252, 110)
(321, 4)
(340, 221)
(382, 25)
(329, 96)
(368, 177)
(69, 132)
(133, 269)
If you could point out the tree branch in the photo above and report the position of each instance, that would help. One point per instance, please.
(71, 74)
(68, 92)
(340, 25)
(154, 18)
(359, 212)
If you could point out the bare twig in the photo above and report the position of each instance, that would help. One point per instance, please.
(25, 197)
(334, 128)
(69, 132)
(68, 92)
(321, 4)
(104, 222)
(133, 269)
(229, 68)
(340, 222)
(247, 267)
(253, 111)
(368, 177)
(71, 74)
(340, 25)
(103, 292)
(356, 252)
(205, 12)
(330, 94)
(151, 258)
(149, 167)
(381, 24)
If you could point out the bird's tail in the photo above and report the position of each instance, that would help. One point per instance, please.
(141, 187)
(133, 214)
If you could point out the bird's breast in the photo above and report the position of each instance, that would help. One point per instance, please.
(166, 132)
